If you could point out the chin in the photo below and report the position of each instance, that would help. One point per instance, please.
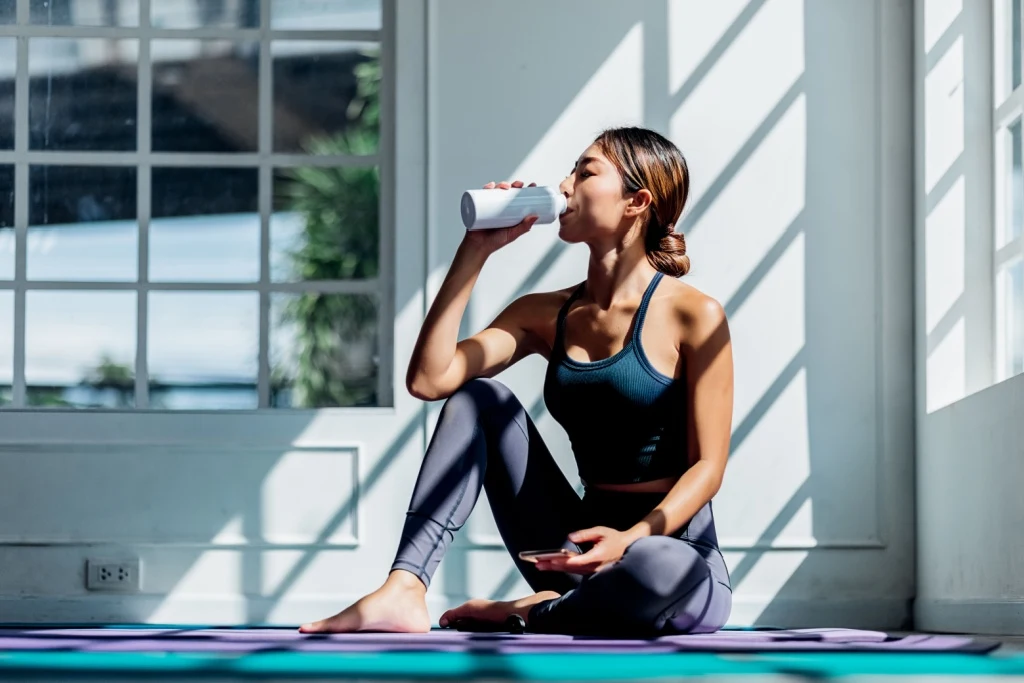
(567, 234)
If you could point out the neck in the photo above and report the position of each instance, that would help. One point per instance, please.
(617, 272)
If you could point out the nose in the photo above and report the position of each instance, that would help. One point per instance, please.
(565, 185)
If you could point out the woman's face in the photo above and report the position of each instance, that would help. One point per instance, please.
(596, 205)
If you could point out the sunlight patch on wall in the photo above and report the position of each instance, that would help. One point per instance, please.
(944, 114)
(695, 26)
(768, 331)
(232, 533)
(303, 493)
(550, 160)
(763, 583)
(947, 369)
(939, 15)
(754, 211)
(214, 572)
(945, 283)
(738, 93)
(774, 461)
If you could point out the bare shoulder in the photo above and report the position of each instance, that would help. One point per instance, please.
(540, 306)
(700, 315)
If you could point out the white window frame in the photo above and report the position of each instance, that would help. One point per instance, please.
(264, 160)
(1008, 109)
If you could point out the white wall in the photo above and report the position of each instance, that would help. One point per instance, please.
(970, 457)
(796, 120)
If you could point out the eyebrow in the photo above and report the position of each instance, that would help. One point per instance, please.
(584, 160)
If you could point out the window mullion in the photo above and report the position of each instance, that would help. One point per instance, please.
(265, 122)
(21, 213)
(144, 176)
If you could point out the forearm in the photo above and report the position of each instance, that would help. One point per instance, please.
(692, 492)
(439, 336)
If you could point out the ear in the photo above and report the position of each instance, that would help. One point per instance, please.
(639, 202)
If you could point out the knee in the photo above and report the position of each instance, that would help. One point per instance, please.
(478, 395)
(664, 566)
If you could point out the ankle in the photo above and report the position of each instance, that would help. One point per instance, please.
(405, 581)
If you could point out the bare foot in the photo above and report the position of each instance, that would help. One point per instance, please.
(496, 611)
(399, 606)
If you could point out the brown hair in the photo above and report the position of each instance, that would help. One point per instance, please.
(648, 160)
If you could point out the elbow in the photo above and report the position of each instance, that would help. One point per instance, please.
(422, 388)
(715, 477)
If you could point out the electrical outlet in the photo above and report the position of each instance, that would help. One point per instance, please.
(109, 575)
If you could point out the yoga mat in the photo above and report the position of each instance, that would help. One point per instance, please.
(137, 652)
(248, 641)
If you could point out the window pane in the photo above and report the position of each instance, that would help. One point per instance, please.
(205, 13)
(1014, 312)
(325, 224)
(85, 12)
(80, 349)
(82, 94)
(203, 350)
(8, 66)
(6, 346)
(1016, 186)
(1015, 35)
(323, 350)
(206, 225)
(325, 14)
(6, 222)
(326, 97)
(8, 13)
(91, 231)
(205, 96)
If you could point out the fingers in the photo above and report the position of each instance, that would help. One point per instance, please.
(506, 185)
(584, 535)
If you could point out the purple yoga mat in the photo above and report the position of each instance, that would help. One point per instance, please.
(242, 641)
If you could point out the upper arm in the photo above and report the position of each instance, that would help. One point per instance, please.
(504, 342)
(708, 352)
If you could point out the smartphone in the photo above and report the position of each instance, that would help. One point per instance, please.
(553, 554)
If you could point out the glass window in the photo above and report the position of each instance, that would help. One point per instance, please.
(203, 350)
(6, 222)
(80, 349)
(6, 346)
(205, 96)
(326, 97)
(82, 94)
(325, 14)
(323, 350)
(325, 224)
(8, 68)
(84, 12)
(206, 225)
(82, 223)
(243, 224)
(205, 14)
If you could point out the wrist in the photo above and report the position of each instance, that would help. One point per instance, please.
(638, 531)
(472, 252)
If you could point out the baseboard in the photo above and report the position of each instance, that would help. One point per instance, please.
(984, 617)
(867, 613)
(882, 614)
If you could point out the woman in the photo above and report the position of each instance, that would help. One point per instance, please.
(640, 377)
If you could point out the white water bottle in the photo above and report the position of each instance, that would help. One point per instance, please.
(497, 208)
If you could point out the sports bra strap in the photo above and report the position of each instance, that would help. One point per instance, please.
(641, 313)
(559, 345)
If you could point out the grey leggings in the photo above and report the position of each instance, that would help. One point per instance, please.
(484, 437)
